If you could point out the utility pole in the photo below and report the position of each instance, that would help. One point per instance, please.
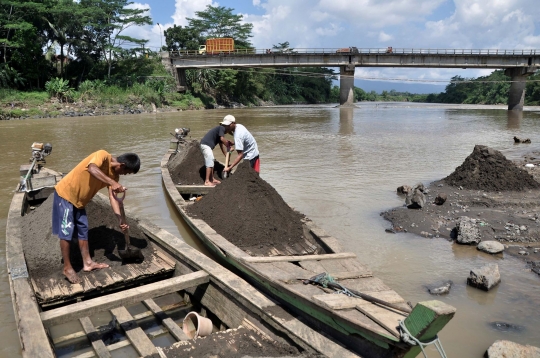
(161, 37)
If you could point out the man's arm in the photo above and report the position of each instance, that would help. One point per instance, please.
(224, 143)
(99, 175)
(237, 160)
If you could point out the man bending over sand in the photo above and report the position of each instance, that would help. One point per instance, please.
(214, 136)
(75, 190)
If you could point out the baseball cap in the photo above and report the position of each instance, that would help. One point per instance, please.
(228, 120)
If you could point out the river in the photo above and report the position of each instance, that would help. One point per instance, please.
(340, 167)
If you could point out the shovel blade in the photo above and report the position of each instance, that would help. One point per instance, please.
(131, 254)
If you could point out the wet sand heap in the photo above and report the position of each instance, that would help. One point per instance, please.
(187, 165)
(233, 343)
(489, 170)
(42, 249)
(250, 213)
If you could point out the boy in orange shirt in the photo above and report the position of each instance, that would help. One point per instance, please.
(75, 190)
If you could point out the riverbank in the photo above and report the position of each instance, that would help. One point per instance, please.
(501, 197)
(55, 109)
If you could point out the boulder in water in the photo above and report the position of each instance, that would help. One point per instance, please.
(485, 277)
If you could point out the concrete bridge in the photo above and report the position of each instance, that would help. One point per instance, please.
(518, 64)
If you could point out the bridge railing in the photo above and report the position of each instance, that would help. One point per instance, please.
(362, 51)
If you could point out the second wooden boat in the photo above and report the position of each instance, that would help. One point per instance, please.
(370, 318)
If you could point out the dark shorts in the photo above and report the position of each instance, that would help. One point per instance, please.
(255, 164)
(67, 220)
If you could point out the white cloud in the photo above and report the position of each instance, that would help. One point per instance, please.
(504, 24)
(383, 37)
(187, 8)
(476, 24)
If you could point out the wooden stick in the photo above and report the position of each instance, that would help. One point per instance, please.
(338, 287)
(136, 317)
(97, 344)
(140, 341)
(342, 255)
(171, 325)
(122, 298)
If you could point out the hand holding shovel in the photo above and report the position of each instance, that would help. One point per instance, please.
(128, 254)
(227, 160)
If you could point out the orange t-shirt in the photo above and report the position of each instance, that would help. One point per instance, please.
(79, 186)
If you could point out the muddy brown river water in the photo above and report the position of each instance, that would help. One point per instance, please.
(341, 168)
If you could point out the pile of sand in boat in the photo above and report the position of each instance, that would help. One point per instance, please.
(244, 208)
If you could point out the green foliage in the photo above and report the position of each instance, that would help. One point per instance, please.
(187, 101)
(359, 94)
(59, 88)
(107, 20)
(219, 21)
(182, 38)
(201, 80)
(226, 81)
(532, 90)
(9, 77)
(492, 89)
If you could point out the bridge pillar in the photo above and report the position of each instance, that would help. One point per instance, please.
(180, 77)
(178, 74)
(346, 85)
(516, 94)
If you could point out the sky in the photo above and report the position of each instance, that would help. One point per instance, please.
(418, 24)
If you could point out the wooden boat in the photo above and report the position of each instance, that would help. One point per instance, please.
(369, 325)
(142, 315)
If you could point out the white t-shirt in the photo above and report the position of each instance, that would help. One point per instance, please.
(244, 141)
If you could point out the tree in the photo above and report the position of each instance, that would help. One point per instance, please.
(359, 94)
(219, 21)
(64, 26)
(182, 38)
(112, 17)
(22, 40)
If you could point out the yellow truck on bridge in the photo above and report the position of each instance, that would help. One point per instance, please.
(217, 45)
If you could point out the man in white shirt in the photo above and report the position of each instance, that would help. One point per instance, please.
(244, 143)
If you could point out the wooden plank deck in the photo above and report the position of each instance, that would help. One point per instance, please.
(122, 298)
(51, 291)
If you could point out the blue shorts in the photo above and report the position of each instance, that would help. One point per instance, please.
(67, 220)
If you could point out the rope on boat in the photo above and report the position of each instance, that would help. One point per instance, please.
(407, 337)
(324, 279)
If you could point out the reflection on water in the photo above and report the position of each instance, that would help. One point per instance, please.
(346, 124)
(339, 166)
(514, 119)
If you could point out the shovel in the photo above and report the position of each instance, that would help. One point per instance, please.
(227, 160)
(128, 254)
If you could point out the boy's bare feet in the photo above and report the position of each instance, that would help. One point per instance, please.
(94, 266)
(207, 183)
(71, 276)
(216, 181)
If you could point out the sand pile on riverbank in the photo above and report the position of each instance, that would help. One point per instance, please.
(250, 213)
(42, 250)
(489, 170)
